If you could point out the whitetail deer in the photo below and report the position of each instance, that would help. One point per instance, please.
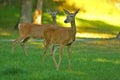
(27, 30)
(61, 36)
(53, 15)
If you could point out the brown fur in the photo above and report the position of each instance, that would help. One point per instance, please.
(28, 30)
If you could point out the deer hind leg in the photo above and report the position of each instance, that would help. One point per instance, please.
(52, 55)
(15, 42)
(60, 56)
(23, 45)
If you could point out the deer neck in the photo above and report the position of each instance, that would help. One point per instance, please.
(73, 27)
(54, 20)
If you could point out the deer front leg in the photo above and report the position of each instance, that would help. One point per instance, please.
(52, 55)
(14, 43)
(23, 43)
(69, 62)
(60, 56)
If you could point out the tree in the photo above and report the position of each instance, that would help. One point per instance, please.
(26, 11)
(37, 17)
(7, 2)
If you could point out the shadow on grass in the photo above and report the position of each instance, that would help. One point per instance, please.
(12, 71)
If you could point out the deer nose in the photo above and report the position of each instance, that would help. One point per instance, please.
(65, 21)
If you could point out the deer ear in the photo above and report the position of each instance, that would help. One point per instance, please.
(76, 11)
(65, 11)
(56, 11)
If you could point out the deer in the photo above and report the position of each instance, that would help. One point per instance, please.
(29, 30)
(53, 15)
(61, 36)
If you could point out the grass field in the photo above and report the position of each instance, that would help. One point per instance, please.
(91, 60)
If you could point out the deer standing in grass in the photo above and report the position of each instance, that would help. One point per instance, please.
(28, 30)
(53, 15)
(61, 36)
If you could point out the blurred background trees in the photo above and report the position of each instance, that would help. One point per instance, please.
(26, 11)
(94, 16)
(90, 9)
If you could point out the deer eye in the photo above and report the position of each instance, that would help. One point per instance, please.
(71, 16)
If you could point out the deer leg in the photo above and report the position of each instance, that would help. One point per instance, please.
(60, 56)
(52, 55)
(45, 49)
(53, 50)
(15, 42)
(69, 64)
(23, 43)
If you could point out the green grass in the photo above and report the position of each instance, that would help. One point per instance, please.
(96, 26)
(92, 60)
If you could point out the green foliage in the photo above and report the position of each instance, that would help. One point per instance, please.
(8, 16)
(91, 60)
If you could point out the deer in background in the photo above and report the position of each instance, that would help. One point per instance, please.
(28, 30)
(53, 15)
(61, 36)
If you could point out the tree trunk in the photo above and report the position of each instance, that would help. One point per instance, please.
(37, 17)
(26, 11)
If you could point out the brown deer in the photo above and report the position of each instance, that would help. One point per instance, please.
(28, 30)
(53, 15)
(61, 36)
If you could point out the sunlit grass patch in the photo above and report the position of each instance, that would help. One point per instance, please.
(37, 43)
(103, 60)
(109, 19)
(94, 35)
(5, 34)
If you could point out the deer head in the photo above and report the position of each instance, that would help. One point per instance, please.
(53, 13)
(70, 16)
